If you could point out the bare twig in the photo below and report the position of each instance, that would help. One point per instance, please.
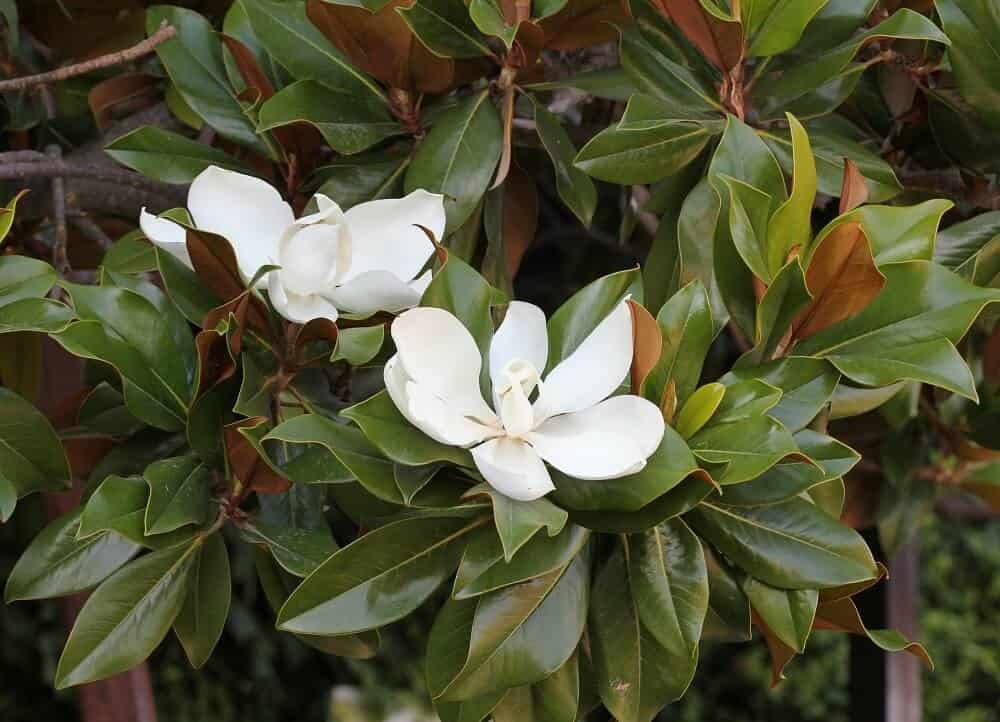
(61, 169)
(104, 61)
(60, 257)
(86, 226)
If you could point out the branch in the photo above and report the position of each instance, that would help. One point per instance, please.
(62, 169)
(104, 61)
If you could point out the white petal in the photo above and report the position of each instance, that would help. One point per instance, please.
(612, 439)
(521, 337)
(245, 210)
(309, 257)
(513, 468)
(375, 291)
(327, 209)
(298, 308)
(386, 236)
(429, 413)
(593, 371)
(421, 282)
(440, 355)
(170, 236)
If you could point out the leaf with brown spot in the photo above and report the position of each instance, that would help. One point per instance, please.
(842, 278)
(854, 190)
(647, 345)
(583, 23)
(245, 463)
(721, 42)
(842, 615)
(668, 404)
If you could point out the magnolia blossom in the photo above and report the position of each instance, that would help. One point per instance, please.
(572, 423)
(359, 261)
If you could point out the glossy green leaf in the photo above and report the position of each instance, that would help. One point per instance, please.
(698, 409)
(686, 325)
(117, 505)
(642, 156)
(669, 580)
(299, 551)
(774, 26)
(636, 676)
(363, 177)
(791, 224)
(480, 645)
(970, 247)
(575, 187)
(806, 384)
(908, 331)
(445, 27)
(189, 294)
(128, 616)
(347, 125)
(193, 60)
(22, 277)
(286, 32)
(458, 157)
(518, 521)
(974, 55)
(31, 455)
(203, 615)
(745, 449)
(488, 15)
(793, 545)
(148, 344)
(833, 141)
(179, 490)
(745, 400)
(277, 585)
(895, 233)
(168, 156)
(788, 614)
(35, 314)
(484, 567)
(653, 71)
(380, 578)
(554, 699)
(728, 617)
(679, 500)
(358, 346)
(816, 87)
(56, 563)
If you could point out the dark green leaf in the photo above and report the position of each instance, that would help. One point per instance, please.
(31, 455)
(167, 156)
(203, 616)
(575, 188)
(179, 490)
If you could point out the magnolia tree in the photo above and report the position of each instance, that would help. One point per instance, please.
(321, 353)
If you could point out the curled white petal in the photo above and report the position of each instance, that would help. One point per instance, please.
(594, 370)
(246, 211)
(440, 355)
(298, 308)
(431, 414)
(606, 441)
(386, 236)
(170, 236)
(375, 291)
(310, 257)
(522, 336)
(513, 468)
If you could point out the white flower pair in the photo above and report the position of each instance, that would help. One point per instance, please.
(357, 262)
(572, 423)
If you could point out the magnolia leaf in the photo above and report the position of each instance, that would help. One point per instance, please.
(202, 618)
(179, 490)
(642, 156)
(575, 188)
(31, 455)
(518, 521)
(378, 579)
(168, 156)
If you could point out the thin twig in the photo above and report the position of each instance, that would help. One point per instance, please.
(62, 169)
(104, 61)
(22, 156)
(90, 230)
(60, 257)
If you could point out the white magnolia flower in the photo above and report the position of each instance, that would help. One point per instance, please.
(359, 261)
(572, 424)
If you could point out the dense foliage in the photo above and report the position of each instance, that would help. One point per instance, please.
(319, 354)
